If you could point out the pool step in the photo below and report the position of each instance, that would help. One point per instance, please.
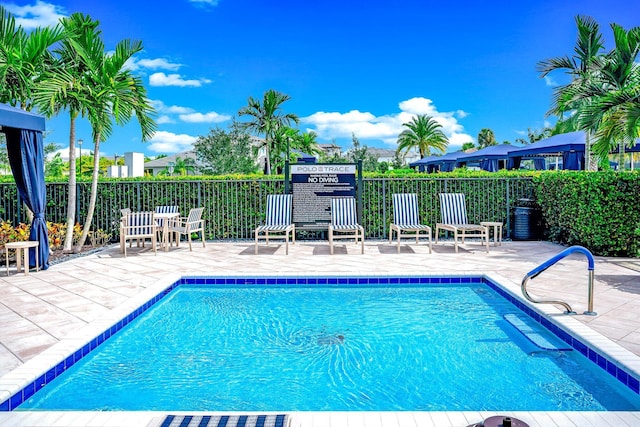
(536, 333)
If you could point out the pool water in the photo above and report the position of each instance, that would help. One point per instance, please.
(315, 348)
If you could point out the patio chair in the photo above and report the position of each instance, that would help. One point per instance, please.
(185, 226)
(277, 224)
(406, 221)
(453, 213)
(123, 216)
(162, 222)
(165, 209)
(344, 221)
(138, 226)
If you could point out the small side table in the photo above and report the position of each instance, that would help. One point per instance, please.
(497, 231)
(24, 248)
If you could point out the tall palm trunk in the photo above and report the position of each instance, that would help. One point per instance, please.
(268, 155)
(71, 199)
(94, 193)
(591, 164)
(621, 164)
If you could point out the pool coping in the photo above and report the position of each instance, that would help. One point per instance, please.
(24, 379)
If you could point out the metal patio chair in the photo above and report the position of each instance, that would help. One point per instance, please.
(138, 226)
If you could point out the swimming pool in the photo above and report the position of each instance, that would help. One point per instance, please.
(345, 356)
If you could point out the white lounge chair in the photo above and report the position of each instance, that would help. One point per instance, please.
(277, 224)
(453, 213)
(406, 221)
(344, 221)
(185, 226)
(138, 226)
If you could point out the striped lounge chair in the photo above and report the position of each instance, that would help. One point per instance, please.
(344, 222)
(453, 213)
(278, 223)
(406, 221)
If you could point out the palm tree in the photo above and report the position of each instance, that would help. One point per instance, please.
(604, 92)
(308, 143)
(423, 132)
(583, 67)
(534, 136)
(182, 166)
(486, 137)
(114, 94)
(613, 112)
(66, 88)
(468, 146)
(23, 59)
(286, 136)
(266, 118)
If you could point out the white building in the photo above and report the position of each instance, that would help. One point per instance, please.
(133, 166)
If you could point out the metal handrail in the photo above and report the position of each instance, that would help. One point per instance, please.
(551, 261)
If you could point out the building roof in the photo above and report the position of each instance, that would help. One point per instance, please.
(163, 162)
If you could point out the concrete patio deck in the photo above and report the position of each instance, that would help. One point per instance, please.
(41, 309)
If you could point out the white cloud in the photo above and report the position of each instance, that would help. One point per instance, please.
(186, 114)
(365, 125)
(164, 119)
(168, 142)
(458, 139)
(39, 15)
(170, 109)
(549, 81)
(134, 64)
(211, 117)
(204, 2)
(177, 109)
(159, 63)
(162, 79)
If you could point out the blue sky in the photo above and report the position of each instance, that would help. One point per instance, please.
(350, 66)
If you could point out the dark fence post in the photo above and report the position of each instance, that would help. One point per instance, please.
(359, 191)
(286, 176)
(508, 208)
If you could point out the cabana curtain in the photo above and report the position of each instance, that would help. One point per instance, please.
(26, 157)
(573, 160)
(490, 165)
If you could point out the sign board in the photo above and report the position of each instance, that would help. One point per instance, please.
(314, 185)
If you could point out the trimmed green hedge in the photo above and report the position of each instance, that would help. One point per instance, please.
(598, 210)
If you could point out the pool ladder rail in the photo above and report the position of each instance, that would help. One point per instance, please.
(550, 262)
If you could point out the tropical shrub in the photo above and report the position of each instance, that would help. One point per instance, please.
(55, 231)
(597, 210)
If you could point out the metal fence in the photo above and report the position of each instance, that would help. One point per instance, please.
(233, 208)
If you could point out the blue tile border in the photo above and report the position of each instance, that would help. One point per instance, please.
(618, 372)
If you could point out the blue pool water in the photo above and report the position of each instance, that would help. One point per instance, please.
(426, 348)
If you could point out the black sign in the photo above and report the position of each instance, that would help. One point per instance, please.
(314, 185)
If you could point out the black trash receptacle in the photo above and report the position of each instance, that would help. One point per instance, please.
(524, 223)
